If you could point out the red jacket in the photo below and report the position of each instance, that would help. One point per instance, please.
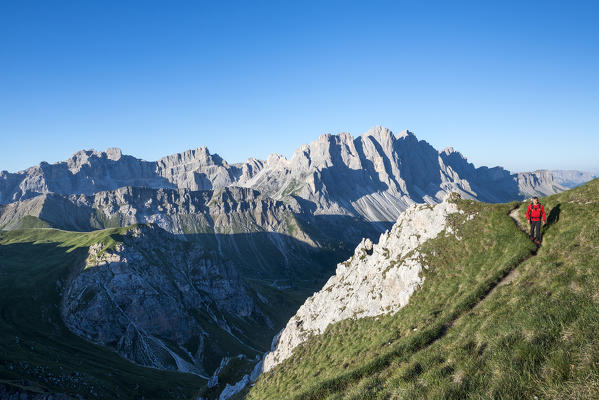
(534, 212)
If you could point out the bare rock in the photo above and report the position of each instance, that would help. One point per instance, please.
(377, 279)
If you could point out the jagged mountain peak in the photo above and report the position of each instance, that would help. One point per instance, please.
(375, 175)
(200, 155)
(448, 150)
(451, 152)
(276, 158)
(80, 158)
(405, 133)
(379, 132)
(114, 153)
(382, 135)
(111, 153)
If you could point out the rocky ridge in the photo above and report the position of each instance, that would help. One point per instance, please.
(377, 279)
(179, 211)
(373, 176)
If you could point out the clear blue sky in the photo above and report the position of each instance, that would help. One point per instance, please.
(510, 83)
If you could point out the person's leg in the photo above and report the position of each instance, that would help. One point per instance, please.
(532, 230)
(538, 230)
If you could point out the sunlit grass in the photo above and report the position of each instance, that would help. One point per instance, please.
(534, 336)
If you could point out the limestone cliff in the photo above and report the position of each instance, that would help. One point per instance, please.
(161, 302)
(373, 176)
(377, 279)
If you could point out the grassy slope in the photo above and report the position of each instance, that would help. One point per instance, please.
(37, 351)
(461, 338)
(60, 250)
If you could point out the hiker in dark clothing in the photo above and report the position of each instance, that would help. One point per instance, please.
(534, 213)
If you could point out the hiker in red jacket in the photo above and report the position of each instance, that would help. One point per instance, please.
(534, 213)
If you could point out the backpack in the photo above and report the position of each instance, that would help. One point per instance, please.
(532, 208)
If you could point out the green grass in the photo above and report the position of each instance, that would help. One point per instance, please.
(462, 336)
(38, 352)
(29, 221)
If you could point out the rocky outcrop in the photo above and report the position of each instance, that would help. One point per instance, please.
(185, 301)
(377, 279)
(538, 183)
(181, 211)
(159, 301)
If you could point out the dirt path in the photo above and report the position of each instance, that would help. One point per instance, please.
(514, 215)
(514, 272)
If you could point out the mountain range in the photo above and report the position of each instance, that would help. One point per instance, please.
(374, 176)
(192, 264)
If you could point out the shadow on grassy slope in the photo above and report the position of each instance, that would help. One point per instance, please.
(36, 349)
(36, 346)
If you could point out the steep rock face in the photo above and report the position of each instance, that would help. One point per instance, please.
(11, 214)
(483, 183)
(86, 172)
(538, 183)
(340, 175)
(374, 176)
(197, 170)
(377, 175)
(228, 210)
(377, 279)
(58, 211)
(159, 301)
(186, 298)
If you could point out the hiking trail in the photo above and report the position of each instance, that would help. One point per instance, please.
(513, 214)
